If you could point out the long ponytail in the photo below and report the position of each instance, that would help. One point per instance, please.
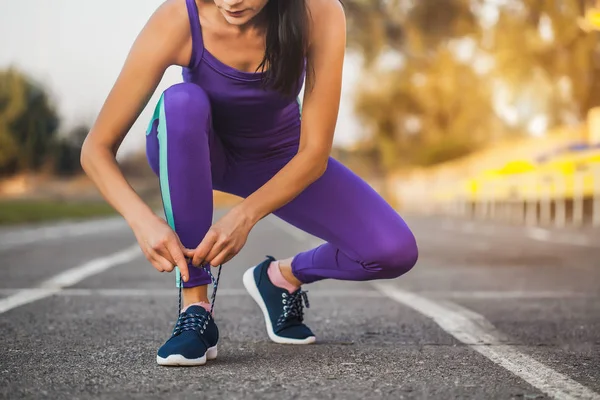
(287, 42)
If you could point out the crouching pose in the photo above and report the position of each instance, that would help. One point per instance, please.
(235, 125)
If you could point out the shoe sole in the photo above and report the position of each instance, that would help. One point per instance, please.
(250, 285)
(179, 360)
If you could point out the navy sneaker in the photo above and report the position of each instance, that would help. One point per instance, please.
(195, 335)
(194, 339)
(283, 311)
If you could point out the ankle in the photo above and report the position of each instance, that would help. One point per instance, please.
(194, 295)
(285, 266)
(276, 276)
(203, 304)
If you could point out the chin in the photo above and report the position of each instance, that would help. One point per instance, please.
(237, 20)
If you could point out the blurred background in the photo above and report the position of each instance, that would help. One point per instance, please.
(471, 108)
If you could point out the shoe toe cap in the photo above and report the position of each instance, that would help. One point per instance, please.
(187, 344)
(296, 332)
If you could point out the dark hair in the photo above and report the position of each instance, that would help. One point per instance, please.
(287, 42)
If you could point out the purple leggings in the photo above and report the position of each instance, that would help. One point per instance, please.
(366, 239)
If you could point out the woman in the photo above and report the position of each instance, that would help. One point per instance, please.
(235, 125)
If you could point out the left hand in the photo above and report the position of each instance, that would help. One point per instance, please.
(223, 240)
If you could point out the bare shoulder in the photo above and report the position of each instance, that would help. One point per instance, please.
(170, 21)
(327, 17)
(326, 8)
(171, 14)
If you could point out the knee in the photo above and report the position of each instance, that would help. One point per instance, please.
(394, 254)
(188, 102)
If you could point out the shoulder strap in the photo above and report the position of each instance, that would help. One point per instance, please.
(196, 29)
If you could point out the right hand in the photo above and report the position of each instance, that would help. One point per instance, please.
(162, 246)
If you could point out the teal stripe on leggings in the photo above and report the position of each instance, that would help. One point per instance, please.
(164, 169)
(155, 115)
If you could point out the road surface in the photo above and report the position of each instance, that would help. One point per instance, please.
(489, 312)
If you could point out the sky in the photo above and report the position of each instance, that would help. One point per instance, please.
(76, 49)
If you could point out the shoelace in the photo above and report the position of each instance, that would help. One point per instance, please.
(293, 306)
(190, 321)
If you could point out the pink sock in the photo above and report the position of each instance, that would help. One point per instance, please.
(277, 278)
(202, 304)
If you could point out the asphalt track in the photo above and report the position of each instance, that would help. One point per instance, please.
(490, 312)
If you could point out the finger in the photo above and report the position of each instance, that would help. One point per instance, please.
(178, 257)
(160, 263)
(160, 253)
(164, 254)
(204, 247)
(218, 247)
(189, 253)
(230, 255)
(155, 264)
(224, 256)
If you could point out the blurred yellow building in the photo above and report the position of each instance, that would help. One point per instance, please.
(562, 166)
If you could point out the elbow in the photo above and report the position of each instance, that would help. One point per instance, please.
(89, 153)
(317, 160)
(321, 167)
(84, 156)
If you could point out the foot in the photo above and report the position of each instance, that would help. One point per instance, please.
(282, 310)
(194, 339)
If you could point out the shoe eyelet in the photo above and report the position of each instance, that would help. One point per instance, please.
(284, 301)
(283, 295)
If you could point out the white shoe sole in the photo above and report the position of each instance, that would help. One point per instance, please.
(252, 289)
(178, 359)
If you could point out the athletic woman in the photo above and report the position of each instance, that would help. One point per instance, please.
(235, 125)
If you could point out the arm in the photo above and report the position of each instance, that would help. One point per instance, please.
(319, 113)
(164, 41)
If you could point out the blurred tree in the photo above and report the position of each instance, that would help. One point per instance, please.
(432, 106)
(428, 114)
(539, 43)
(406, 26)
(67, 150)
(28, 123)
(469, 71)
(12, 105)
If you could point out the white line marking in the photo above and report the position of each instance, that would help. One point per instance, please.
(134, 292)
(545, 235)
(23, 236)
(479, 334)
(540, 234)
(503, 295)
(69, 277)
(131, 292)
(24, 297)
(535, 233)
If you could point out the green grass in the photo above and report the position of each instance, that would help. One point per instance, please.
(21, 211)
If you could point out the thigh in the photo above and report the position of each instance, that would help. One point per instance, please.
(190, 120)
(339, 207)
(342, 209)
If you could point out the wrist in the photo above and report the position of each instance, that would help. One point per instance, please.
(139, 215)
(250, 214)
